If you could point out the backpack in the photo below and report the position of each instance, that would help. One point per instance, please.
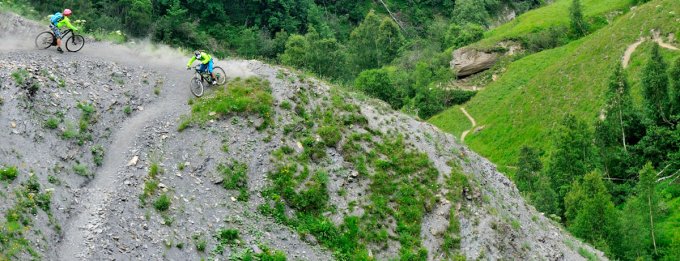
(56, 18)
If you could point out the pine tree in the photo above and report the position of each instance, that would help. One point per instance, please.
(646, 191)
(578, 24)
(390, 40)
(655, 87)
(573, 155)
(590, 213)
(674, 76)
(364, 48)
(529, 166)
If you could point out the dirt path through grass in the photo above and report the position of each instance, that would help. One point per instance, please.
(472, 120)
(631, 48)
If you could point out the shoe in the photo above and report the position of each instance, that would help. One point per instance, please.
(60, 50)
(214, 82)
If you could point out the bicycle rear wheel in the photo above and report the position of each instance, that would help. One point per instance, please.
(75, 43)
(196, 86)
(44, 40)
(220, 75)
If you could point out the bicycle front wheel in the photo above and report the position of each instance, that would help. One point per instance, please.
(196, 86)
(75, 43)
(44, 40)
(220, 75)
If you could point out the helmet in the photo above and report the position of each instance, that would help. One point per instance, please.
(67, 12)
(197, 53)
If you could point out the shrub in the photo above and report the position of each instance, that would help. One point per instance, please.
(552, 37)
(461, 35)
(235, 177)
(8, 173)
(330, 135)
(98, 154)
(52, 123)
(81, 169)
(379, 83)
(162, 203)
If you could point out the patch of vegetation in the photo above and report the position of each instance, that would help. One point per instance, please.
(20, 76)
(18, 223)
(52, 123)
(8, 173)
(225, 237)
(98, 154)
(235, 177)
(154, 170)
(200, 243)
(127, 110)
(162, 203)
(81, 169)
(244, 96)
(330, 135)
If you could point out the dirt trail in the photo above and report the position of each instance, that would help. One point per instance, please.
(93, 199)
(631, 48)
(629, 52)
(472, 120)
(98, 193)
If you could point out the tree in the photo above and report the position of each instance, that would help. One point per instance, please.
(578, 24)
(324, 56)
(674, 76)
(655, 87)
(390, 40)
(363, 46)
(590, 213)
(646, 191)
(379, 84)
(573, 155)
(528, 169)
(461, 35)
(296, 48)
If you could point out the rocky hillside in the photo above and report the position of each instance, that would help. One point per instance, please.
(104, 155)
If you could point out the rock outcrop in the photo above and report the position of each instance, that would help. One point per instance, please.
(468, 61)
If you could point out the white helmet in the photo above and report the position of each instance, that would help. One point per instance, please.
(197, 53)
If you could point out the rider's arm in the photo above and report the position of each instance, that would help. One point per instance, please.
(193, 58)
(68, 24)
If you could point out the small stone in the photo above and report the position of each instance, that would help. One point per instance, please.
(256, 250)
(233, 199)
(212, 113)
(133, 161)
(161, 185)
(140, 108)
(13, 124)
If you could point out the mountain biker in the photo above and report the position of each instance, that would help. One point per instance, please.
(206, 63)
(57, 21)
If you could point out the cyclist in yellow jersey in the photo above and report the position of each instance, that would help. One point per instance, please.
(206, 63)
(59, 20)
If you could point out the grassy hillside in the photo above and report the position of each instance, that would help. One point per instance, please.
(555, 14)
(526, 102)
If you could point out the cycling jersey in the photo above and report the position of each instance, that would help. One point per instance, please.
(205, 59)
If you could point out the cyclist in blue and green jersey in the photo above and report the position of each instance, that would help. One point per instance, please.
(59, 20)
(206, 63)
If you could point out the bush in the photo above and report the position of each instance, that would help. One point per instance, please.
(162, 203)
(8, 173)
(330, 135)
(52, 123)
(552, 37)
(461, 35)
(379, 83)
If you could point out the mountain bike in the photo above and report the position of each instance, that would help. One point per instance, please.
(197, 82)
(73, 43)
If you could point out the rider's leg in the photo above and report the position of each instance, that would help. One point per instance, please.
(57, 34)
(210, 69)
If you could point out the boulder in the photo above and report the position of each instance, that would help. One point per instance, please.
(468, 61)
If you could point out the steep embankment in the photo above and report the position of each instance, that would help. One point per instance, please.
(533, 94)
(311, 170)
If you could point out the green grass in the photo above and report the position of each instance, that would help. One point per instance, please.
(555, 14)
(243, 96)
(236, 178)
(81, 169)
(18, 220)
(8, 173)
(225, 237)
(162, 203)
(20, 76)
(98, 154)
(527, 102)
(52, 123)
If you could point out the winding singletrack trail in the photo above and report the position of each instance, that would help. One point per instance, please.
(631, 48)
(472, 120)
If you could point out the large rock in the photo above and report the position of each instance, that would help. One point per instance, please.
(468, 61)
